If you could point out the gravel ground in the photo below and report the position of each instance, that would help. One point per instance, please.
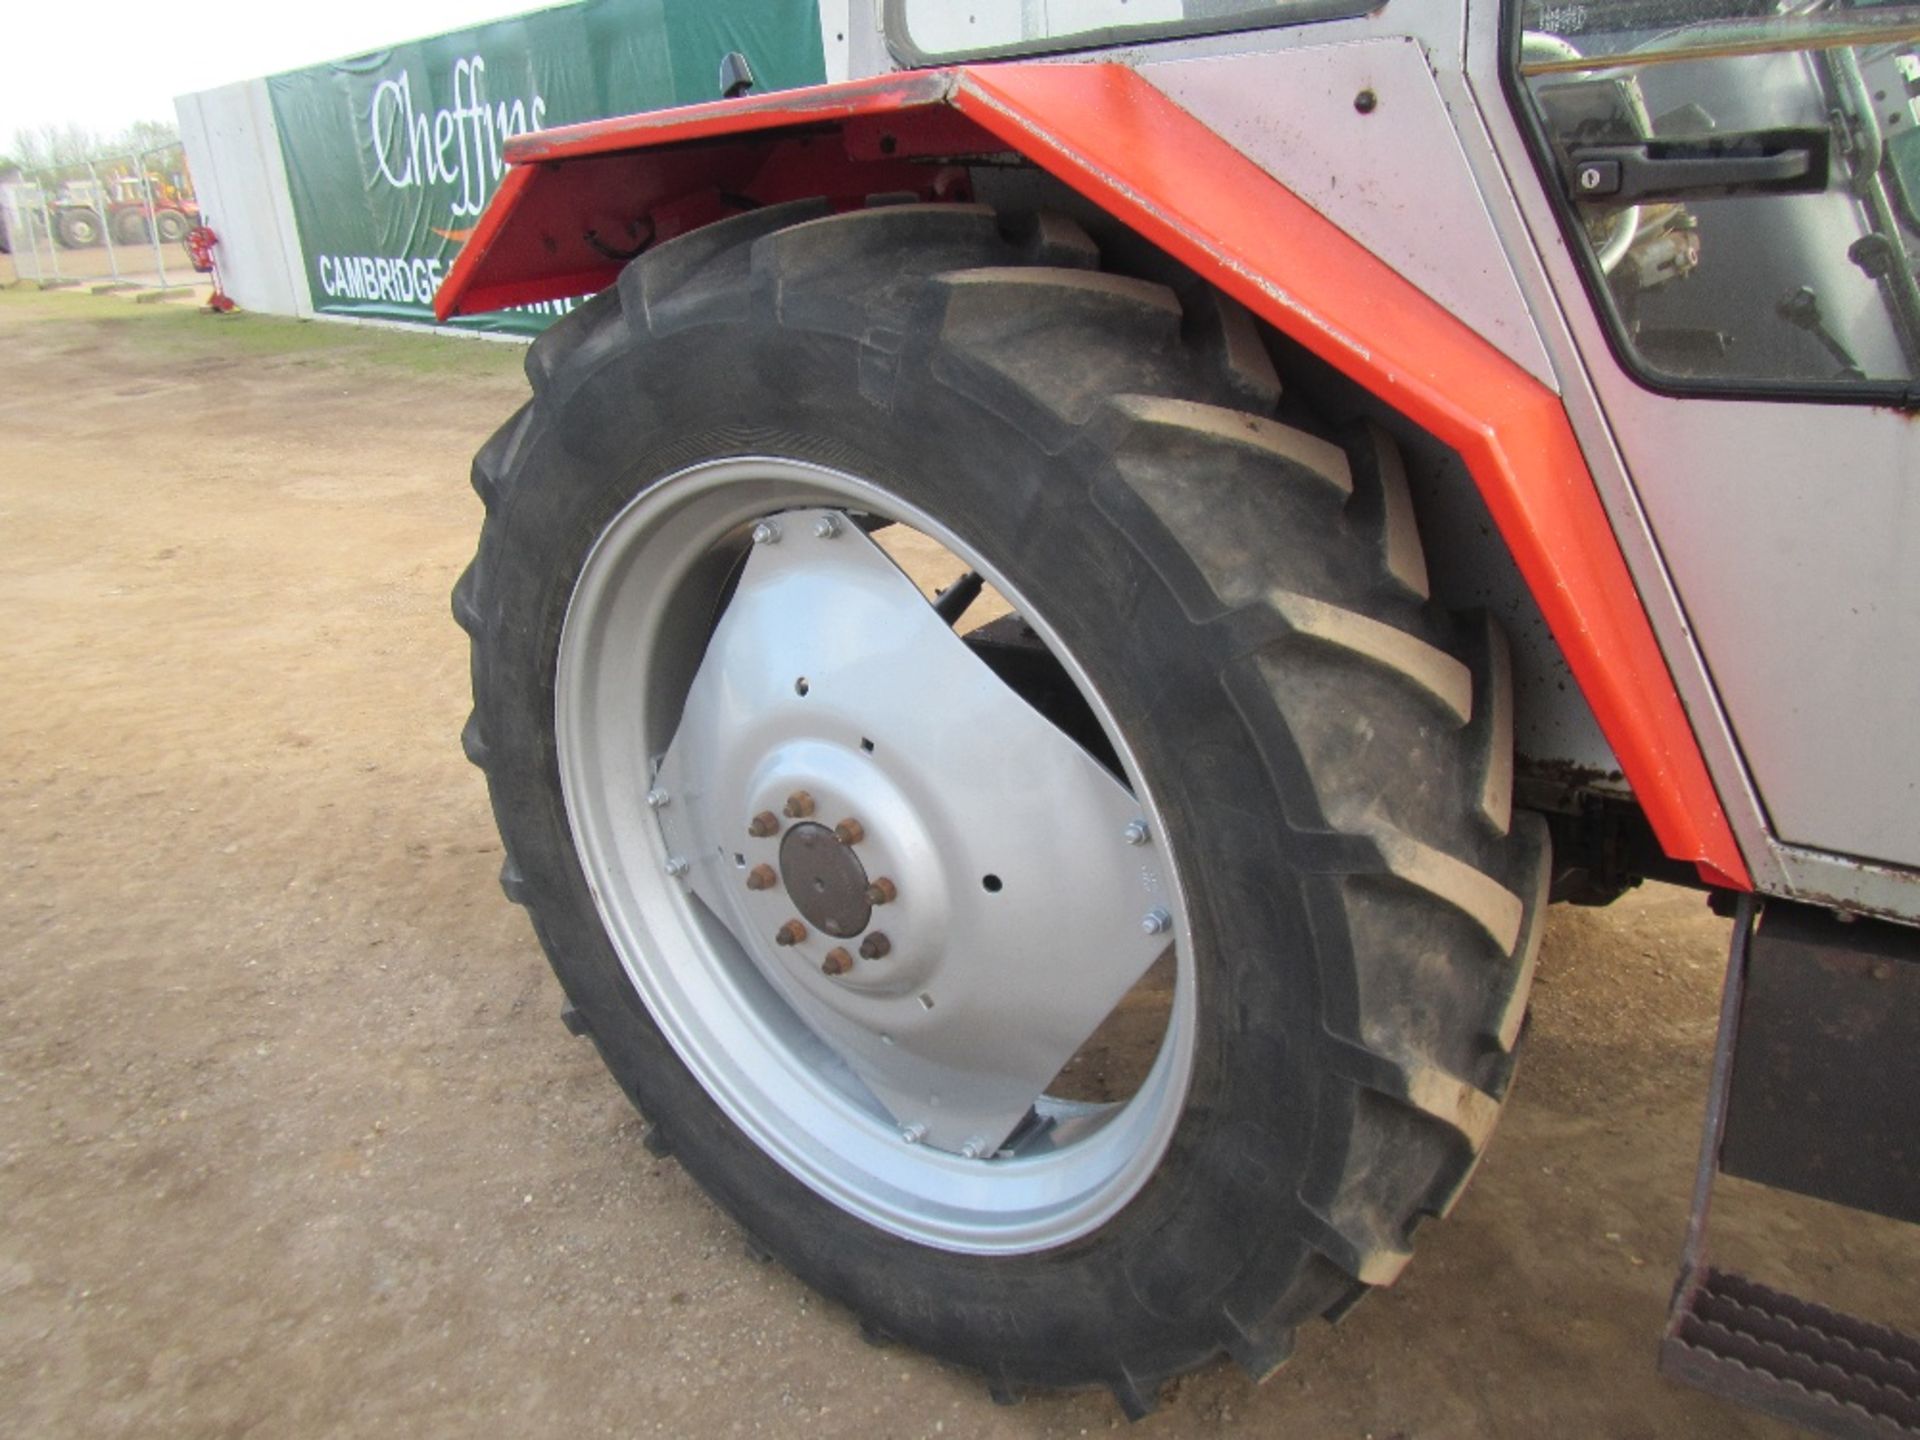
(291, 1139)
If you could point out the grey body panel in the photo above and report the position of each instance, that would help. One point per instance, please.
(1393, 178)
(1793, 533)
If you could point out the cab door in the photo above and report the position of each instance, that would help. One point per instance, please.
(1739, 189)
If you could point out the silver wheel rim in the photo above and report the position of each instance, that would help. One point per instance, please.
(888, 1084)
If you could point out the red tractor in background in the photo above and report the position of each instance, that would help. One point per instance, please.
(82, 215)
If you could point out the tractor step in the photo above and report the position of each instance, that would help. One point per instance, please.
(1791, 1358)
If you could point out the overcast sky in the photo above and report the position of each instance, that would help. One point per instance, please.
(107, 63)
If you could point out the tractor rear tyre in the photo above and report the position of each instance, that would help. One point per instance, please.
(727, 743)
(77, 227)
(130, 227)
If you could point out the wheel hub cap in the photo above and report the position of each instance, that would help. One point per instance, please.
(825, 880)
(833, 699)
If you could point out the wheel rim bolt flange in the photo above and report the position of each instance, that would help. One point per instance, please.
(791, 933)
(1156, 922)
(850, 831)
(764, 824)
(657, 799)
(875, 947)
(882, 891)
(677, 865)
(762, 877)
(766, 533)
(1135, 833)
(838, 961)
(799, 805)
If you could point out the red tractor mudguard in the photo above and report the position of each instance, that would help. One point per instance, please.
(577, 202)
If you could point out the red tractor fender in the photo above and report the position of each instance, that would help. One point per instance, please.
(576, 202)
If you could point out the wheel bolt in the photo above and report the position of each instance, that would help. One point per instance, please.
(791, 933)
(838, 961)
(850, 831)
(875, 947)
(827, 526)
(657, 799)
(766, 533)
(799, 805)
(973, 1149)
(881, 891)
(677, 865)
(764, 824)
(913, 1134)
(761, 877)
(1135, 832)
(1156, 922)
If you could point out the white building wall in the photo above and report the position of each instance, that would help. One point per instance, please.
(240, 179)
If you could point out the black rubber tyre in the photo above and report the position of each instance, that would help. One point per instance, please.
(130, 227)
(173, 225)
(1249, 599)
(76, 227)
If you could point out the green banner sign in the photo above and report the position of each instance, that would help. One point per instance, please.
(392, 156)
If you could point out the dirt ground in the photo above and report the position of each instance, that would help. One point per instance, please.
(291, 1139)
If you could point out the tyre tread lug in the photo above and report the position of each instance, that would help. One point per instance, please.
(685, 280)
(466, 609)
(1259, 1350)
(472, 744)
(1491, 734)
(1388, 500)
(1137, 1398)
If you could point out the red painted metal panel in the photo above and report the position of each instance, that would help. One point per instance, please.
(825, 105)
(649, 177)
(1117, 140)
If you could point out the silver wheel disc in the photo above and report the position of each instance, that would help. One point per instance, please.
(872, 897)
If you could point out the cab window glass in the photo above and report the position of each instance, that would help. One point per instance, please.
(944, 30)
(1743, 179)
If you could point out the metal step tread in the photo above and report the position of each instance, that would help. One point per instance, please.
(1798, 1360)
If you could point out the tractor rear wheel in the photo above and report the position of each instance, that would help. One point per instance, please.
(172, 224)
(846, 892)
(130, 226)
(77, 227)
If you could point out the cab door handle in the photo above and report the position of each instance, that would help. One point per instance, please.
(1754, 162)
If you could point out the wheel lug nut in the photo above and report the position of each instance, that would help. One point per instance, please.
(913, 1134)
(1135, 832)
(657, 799)
(791, 933)
(764, 824)
(881, 891)
(1156, 922)
(875, 947)
(838, 961)
(827, 526)
(799, 805)
(766, 533)
(973, 1149)
(677, 865)
(850, 831)
(761, 877)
